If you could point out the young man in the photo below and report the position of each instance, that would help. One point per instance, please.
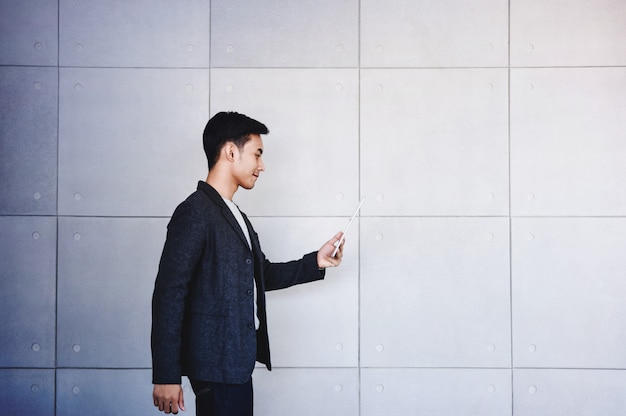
(208, 306)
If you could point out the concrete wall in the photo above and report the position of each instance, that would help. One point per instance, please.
(484, 276)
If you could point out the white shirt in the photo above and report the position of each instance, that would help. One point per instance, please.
(244, 228)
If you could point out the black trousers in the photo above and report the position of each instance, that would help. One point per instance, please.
(218, 399)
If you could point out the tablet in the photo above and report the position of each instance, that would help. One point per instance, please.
(338, 243)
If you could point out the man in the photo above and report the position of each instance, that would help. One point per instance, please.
(208, 307)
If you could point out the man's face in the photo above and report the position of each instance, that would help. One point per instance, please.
(249, 162)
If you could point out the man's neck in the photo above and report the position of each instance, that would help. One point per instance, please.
(226, 188)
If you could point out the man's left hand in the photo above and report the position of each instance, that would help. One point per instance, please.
(324, 254)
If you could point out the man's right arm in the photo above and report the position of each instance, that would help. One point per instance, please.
(181, 253)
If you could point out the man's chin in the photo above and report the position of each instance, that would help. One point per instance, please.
(250, 184)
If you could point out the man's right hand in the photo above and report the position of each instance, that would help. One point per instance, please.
(168, 398)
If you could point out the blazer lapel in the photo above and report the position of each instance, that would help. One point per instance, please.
(227, 213)
(256, 246)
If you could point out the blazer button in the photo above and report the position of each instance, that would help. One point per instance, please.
(249, 292)
(250, 326)
(248, 261)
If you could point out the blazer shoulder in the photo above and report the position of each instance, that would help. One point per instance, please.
(198, 207)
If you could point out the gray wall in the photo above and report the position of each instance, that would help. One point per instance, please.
(485, 275)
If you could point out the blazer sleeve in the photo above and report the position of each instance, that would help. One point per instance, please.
(183, 248)
(282, 275)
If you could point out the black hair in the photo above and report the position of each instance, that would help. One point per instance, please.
(226, 127)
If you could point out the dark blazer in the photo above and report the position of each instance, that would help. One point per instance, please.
(202, 305)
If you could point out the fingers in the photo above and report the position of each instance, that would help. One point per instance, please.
(167, 407)
(338, 243)
(336, 259)
(331, 253)
(181, 401)
(168, 398)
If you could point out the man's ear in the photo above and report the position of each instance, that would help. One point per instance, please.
(229, 150)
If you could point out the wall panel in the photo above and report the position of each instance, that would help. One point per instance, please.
(29, 32)
(311, 153)
(306, 392)
(568, 286)
(430, 33)
(128, 393)
(27, 392)
(567, 141)
(434, 292)
(28, 140)
(434, 142)
(569, 392)
(27, 291)
(573, 33)
(107, 268)
(270, 33)
(143, 125)
(435, 392)
(143, 33)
